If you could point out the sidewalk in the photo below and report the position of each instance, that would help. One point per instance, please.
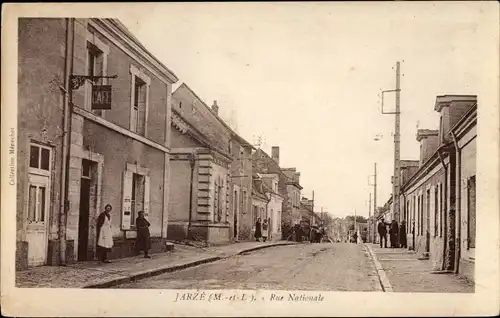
(406, 273)
(94, 275)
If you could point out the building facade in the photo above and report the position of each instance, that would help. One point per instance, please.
(291, 208)
(42, 81)
(259, 203)
(270, 183)
(438, 199)
(288, 188)
(200, 168)
(117, 152)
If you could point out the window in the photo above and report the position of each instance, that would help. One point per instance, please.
(138, 112)
(40, 157)
(37, 201)
(95, 67)
(436, 212)
(139, 101)
(255, 214)
(136, 184)
(137, 196)
(471, 212)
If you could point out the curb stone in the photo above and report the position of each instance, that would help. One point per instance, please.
(172, 268)
(378, 284)
(384, 281)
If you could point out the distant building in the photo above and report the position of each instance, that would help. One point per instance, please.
(288, 187)
(270, 183)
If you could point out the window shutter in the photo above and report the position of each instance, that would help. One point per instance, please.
(127, 197)
(146, 195)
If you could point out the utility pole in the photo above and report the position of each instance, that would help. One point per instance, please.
(397, 113)
(374, 184)
(370, 218)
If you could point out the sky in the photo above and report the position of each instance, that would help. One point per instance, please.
(306, 77)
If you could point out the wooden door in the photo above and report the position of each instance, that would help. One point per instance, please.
(38, 207)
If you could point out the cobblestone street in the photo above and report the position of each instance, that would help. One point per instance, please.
(331, 267)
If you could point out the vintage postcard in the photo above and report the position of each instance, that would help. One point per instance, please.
(250, 159)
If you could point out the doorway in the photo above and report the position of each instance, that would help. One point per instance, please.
(84, 252)
(235, 215)
(428, 221)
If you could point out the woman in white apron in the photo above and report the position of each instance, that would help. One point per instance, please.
(265, 230)
(104, 235)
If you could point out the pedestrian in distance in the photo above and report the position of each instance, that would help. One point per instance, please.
(393, 234)
(382, 232)
(402, 235)
(104, 234)
(143, 240)
(265, 230)
(258, 230)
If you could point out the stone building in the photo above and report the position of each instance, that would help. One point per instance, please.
(288, 187)
(464, 134)
(438, 200)
(270, 185)
(41, 84)
(117, 151)
(291, 209)
(200, 171)
(259, 203)
(240, 182)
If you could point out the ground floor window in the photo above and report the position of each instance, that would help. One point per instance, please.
(136, 184)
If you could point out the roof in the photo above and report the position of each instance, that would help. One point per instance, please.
(199, 136)
(470, 114)
(160, 66)
(444, 100)
(233, 133)
(257, 190)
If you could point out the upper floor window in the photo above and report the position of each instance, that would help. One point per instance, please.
(97, 61)
(139, 101)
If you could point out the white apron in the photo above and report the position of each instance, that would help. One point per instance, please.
(105, 235)
(265, 232)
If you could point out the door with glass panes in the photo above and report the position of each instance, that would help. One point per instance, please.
(37, 219)
(38, 205)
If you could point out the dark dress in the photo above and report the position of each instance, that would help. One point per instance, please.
(258, 230)
(402, 235)
(393, 232)
(143, 241)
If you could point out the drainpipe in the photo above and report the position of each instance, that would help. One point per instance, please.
(192, 163)
(67, 102)
(445, 210)
(458, 220)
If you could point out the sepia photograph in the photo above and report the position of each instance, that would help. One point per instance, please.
(256, 159)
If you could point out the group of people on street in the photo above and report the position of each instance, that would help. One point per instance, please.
(261, 230)
(397, 233)
(314, 234)
(105, 235)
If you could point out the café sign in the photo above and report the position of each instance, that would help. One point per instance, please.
(101, 97)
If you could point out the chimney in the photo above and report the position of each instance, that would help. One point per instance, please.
(215, 108)
(275, 154)
(429, 142)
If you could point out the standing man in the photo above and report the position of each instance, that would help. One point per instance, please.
(382, 232)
